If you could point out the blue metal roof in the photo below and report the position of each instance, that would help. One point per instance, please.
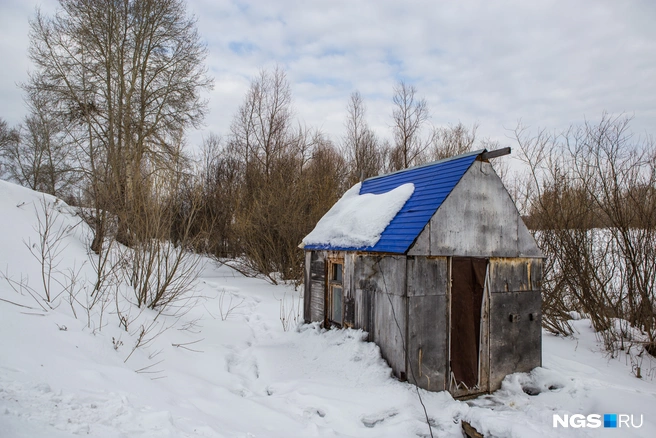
(433, 182)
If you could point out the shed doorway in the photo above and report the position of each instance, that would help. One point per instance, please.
(469, 326)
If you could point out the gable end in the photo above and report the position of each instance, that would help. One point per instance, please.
(477, 219)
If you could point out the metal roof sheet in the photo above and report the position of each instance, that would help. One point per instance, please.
(433, 183)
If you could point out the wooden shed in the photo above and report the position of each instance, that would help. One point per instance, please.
(450, 291)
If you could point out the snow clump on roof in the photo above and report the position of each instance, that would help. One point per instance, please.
(357, 221)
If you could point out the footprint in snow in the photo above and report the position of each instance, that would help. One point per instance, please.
(245, 367)
(311, 412)
(375, 419)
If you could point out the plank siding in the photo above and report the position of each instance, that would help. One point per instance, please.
(307, 290)
(381, 304)
(479, 219)
(515, 274)
(515, 345)
(427, 276)
(317, 286)
(427, 341)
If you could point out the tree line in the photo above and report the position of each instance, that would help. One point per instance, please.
(270, 179)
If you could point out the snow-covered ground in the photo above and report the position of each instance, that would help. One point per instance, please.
(229, 368)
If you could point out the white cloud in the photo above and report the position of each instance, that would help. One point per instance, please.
(550, 63)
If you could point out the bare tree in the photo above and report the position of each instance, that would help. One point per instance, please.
(360, 145)
(7, 134)
(127, 77)
(40, 158)
(266, 146)
(276, 211)
(409, 116)
(452, 140)
(262, 129)
(276, 159)
(9, 139)
(219, 178)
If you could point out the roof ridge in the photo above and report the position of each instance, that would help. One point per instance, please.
(432, 163)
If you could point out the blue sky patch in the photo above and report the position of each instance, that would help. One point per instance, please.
(242, 47)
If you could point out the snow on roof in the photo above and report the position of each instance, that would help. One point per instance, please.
(358, 220)
(432, 182)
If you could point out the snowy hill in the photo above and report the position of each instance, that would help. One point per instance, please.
(228, 368)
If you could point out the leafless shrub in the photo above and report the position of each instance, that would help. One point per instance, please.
(22, 287)
(106, 264)
(146, 333)
(47, 250)
(186, 345)
(290, 310)
(592, 194)
(218, 181)
(162, 271)
(227, 308)
(67, 283)
(149, 369)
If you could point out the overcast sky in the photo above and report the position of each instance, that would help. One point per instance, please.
(549, 63)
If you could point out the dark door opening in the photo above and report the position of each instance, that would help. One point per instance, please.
(467, 287)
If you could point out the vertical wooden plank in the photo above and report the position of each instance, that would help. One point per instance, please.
(364, 287)
(427, 345)
(349, 290)
(515, 335)
(484, 354)
(427, 341)
(427, 276)
(317, 286)
(389, 323)
(307, 289)
(515, 274)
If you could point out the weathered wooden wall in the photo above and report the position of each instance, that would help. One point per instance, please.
(477, 219)
(380, 305)
(515, 317)
(428, 323)
(315, 281)
(403, 303)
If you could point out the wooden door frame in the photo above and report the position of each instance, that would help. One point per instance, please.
(483, 384)
(328, 296)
